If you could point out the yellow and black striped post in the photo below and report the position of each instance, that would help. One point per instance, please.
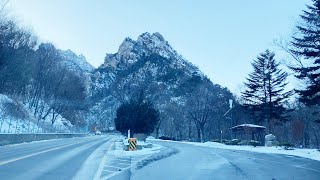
(132, 144)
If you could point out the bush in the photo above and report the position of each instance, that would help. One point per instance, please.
(224, 141)
(216, 140)
(286, 145)
(233, 142)
(167, 138)
(137, 115)
(254, 143)
(243, 142)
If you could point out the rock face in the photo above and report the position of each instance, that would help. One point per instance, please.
(131, 51)
(149, 61)
(76, 62)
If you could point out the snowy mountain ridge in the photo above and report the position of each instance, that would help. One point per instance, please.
(76, 62)
(130, 51)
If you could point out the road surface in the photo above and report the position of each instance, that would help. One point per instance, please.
(80, 158)
(74, 158)
(194, 162)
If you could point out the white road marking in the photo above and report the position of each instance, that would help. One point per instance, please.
(108, 170)
(41, 152)
(123, 160)
(115, 162)
(97, 176)
(133, 163)
(116, 167)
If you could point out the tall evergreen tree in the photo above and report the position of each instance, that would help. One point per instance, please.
(306, 45)
(265, 93)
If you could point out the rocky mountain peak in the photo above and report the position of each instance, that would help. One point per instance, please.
(76, 62)
(156, 44)
(147, 45)
(126, 48)
(147, 38)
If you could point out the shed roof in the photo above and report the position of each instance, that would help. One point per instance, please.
(253, 126)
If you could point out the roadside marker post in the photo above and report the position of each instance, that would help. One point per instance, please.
(132, 144)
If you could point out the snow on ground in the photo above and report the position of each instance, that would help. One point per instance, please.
(16, 117)
(60, 124)
(142, 157)
(22, 123)
(305, 153)
(119, 152)
(11, 125)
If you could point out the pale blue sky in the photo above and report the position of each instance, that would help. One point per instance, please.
(220, 37)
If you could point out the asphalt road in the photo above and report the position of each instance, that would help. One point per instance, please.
(74, 158)
(194, 162)
(80, 158)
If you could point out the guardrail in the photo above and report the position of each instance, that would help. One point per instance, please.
(28, 137)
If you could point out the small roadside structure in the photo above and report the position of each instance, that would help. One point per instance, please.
(270, 140)
(248, 132)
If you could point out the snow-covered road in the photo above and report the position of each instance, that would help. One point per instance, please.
(74, 158)
(196, 162)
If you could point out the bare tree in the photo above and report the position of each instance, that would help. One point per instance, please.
(200, 107)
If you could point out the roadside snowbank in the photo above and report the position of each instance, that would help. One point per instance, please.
(305, 153)
(142, 157)
(156, 156)
(119, 152)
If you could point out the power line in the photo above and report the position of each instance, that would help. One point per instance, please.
(4, 5)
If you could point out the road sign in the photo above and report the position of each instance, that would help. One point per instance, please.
(132, 144)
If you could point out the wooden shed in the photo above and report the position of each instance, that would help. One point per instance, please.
(248, 132)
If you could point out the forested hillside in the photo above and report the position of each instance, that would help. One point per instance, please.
(52, 84)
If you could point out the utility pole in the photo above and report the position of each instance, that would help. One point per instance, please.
(230, 107)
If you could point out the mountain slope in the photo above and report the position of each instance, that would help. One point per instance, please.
(149, 65)
(16, 117)
(76, 62)
(150, 58)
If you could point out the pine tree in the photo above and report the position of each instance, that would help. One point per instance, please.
(265, 93)
(306, 45)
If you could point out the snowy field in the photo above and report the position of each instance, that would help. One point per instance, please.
(305, 153)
